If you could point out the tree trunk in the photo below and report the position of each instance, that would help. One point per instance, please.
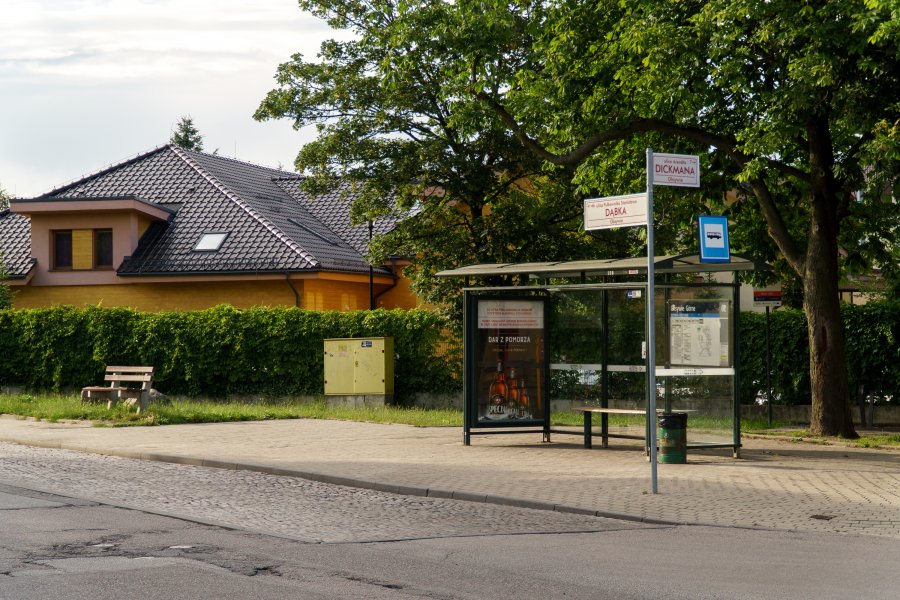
(827, 364)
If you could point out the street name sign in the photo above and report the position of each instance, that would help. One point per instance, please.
(679, 170)
(629, 210)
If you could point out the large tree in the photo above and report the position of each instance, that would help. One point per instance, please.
(792, 105)
(792, 97)
(395, 121)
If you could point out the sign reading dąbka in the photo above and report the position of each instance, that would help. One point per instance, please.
(679, 170)
(615, 211)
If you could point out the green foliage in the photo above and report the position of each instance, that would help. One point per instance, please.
(215, 352)
(186, 135)
(396, 118)
(6, 293)
(873, 352)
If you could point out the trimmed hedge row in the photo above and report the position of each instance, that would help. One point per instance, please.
(214, 352)
(872, 335)
(279, 351)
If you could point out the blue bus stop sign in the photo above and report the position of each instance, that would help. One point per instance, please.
(714, 239)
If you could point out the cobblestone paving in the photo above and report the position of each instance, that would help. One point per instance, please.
(775, 485)
(286, 506)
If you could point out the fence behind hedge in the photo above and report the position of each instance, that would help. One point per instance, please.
(215, 352)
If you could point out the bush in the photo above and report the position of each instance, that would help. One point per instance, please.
(872, 333)
(215, 352)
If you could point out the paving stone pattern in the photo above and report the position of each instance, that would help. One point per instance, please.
(287, 506)
(775, 485)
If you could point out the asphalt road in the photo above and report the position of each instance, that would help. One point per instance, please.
(194, 532)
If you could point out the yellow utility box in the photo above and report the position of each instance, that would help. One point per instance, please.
(359, 366)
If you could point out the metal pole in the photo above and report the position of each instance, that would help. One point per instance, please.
(651, 326)
(768, 370)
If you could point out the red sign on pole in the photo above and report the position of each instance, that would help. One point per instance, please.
(767, 297)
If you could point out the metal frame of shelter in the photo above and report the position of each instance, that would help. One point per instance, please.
(604, 276)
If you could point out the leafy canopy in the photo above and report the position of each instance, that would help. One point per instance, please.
(396, 116)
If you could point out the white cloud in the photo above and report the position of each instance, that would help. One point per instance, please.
(89, 82)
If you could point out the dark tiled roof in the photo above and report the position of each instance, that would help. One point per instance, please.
(15, 244)
(333, 209)
(270, 228)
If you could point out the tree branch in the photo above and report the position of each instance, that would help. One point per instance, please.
(777, 228)
(724, 143)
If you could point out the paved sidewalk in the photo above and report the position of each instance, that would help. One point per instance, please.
(775, 485)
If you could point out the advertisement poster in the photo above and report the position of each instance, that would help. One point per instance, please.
(699, 333)
(510, 360)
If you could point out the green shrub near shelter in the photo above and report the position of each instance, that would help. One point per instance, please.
(217, 352)
(872, 337)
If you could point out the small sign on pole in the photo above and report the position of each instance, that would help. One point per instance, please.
(714, 245)
(680, 170)
(767, 297)
(629, 210)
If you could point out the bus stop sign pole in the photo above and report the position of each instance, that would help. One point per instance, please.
(651, 327)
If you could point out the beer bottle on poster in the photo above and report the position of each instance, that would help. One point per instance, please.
(512, 397)
(524, 400)
(497, 393)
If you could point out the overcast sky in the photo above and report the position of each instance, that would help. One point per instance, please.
(87, 83)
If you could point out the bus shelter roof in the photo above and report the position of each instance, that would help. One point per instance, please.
(688, 263)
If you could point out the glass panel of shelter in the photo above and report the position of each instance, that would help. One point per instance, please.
(594, 327)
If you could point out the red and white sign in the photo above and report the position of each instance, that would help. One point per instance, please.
(767, 297)
(679, 170)
(615, 211)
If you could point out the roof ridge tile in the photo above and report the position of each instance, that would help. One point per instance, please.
(103, 171)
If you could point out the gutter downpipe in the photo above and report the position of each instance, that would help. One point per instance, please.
(287, 278)
(393, 285)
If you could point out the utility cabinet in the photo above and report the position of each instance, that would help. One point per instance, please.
(359, 367)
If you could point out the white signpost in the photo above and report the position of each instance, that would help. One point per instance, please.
(629, 210)
(680, 170)
(632, 210)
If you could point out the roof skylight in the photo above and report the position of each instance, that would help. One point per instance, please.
(210, 242)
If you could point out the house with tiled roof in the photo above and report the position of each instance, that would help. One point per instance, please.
(174, 229)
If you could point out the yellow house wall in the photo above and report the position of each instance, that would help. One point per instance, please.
(399, 296)
(324, 294)
(156, 297)
(315, 294)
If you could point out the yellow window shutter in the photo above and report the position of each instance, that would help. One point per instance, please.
(82, 249)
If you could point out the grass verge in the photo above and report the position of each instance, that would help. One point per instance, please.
(865, 440)
(56, 408)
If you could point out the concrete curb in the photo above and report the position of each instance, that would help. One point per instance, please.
(355, 483)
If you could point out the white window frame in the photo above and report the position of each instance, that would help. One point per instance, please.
(210, 242)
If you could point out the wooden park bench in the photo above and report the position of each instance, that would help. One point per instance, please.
(122, 384)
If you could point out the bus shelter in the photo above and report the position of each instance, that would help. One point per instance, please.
(561, 335)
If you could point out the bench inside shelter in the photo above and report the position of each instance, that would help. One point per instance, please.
(122, 383)
(588, 412)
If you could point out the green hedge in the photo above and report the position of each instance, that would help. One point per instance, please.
(872, 334)
(215, 352)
